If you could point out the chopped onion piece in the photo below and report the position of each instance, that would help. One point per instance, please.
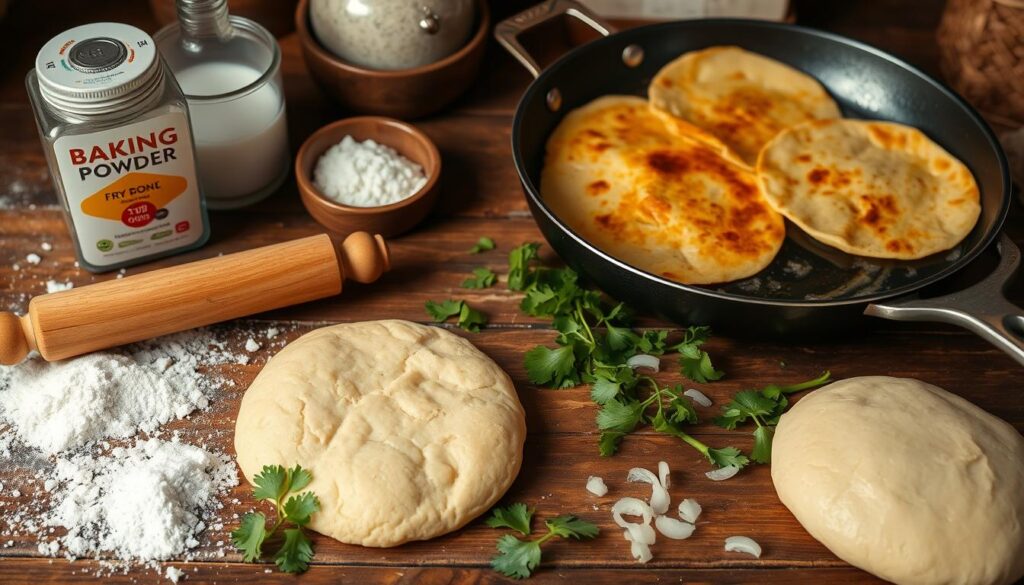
(698, 397)
(744, 545)
(640, 551)
(642, 533)
(723, 473)
(596, 486)
(631, 507)
(672, 528)
(689, 510)
(660, 499)
(642, 360)
(663, 474)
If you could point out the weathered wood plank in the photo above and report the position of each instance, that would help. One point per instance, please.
(41, 572)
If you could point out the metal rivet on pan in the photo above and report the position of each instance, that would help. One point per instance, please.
(632, 55)
(554, 100)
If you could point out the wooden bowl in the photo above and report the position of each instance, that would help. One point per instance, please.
(277, 16)
(403, 93)
(386, 220)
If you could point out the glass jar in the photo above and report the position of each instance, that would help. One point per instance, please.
(230, 71)
(115, 130)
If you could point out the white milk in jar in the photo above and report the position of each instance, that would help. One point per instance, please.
(229, 69)
(241, 142)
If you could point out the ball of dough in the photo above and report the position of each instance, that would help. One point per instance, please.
(905, 480)
(409, 431)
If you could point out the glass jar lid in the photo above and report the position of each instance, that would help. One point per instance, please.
(98, 68)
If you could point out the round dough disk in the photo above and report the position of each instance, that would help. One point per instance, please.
(905, 480)
(409, 431)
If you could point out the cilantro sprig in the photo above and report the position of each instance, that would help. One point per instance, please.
(518, 558)
(595, 340)
(763, 407)
(274, 483)
(694, 361)
(482, 278)
(482, 245)
(468, 318)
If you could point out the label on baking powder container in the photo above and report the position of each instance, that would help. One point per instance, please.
(132, 191)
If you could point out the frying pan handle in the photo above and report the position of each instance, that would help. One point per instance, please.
(508, 30)
(981, 308)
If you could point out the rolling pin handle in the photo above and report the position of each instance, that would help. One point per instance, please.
(16, 338)
(364, 258)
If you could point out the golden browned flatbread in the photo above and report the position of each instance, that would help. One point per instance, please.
(742, 98)
(641, 186)
(870, 188)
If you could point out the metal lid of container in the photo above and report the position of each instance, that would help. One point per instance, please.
(98, 68)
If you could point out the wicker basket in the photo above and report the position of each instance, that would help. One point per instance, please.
(982, 46)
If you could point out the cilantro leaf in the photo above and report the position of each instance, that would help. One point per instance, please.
(298, 509)
(544, 365)
(482, 245)
(603, 390)
(620, 417)
(300, 478)
(249, 536)
(516, 558)
(696, 364)
(727, 456)
(568, 526)
(482, 278)
(295, 553)
(764, 407)
(470, 319)
(515, 516)
(441, 311)
(744, 405)
(682, 410)
(271, 483)
(608, 444)
(519, 263)
(762, 452)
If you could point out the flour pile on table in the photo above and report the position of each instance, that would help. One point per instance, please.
(146, 498)
(141, 503)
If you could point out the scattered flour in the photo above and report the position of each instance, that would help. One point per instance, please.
(33, 258)
(252, 345)
(124, 503)
(46, 246)
(53, 286)
(174, 574)
(143, 503)
(366, 174)
(62, 405)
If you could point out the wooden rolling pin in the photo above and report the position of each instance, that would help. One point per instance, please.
(115, 312)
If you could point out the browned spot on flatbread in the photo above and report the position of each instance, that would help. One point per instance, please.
(898, 246)
(818, 176)
(878, 212)
(805, 158)
(886, 138)
(598, 187)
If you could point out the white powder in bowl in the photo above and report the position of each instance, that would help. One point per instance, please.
(366, 174)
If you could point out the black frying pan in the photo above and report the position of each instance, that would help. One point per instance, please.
(809, 287)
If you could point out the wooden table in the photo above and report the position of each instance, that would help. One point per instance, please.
(481, 196)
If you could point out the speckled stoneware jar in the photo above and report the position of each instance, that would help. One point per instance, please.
(392, 34)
